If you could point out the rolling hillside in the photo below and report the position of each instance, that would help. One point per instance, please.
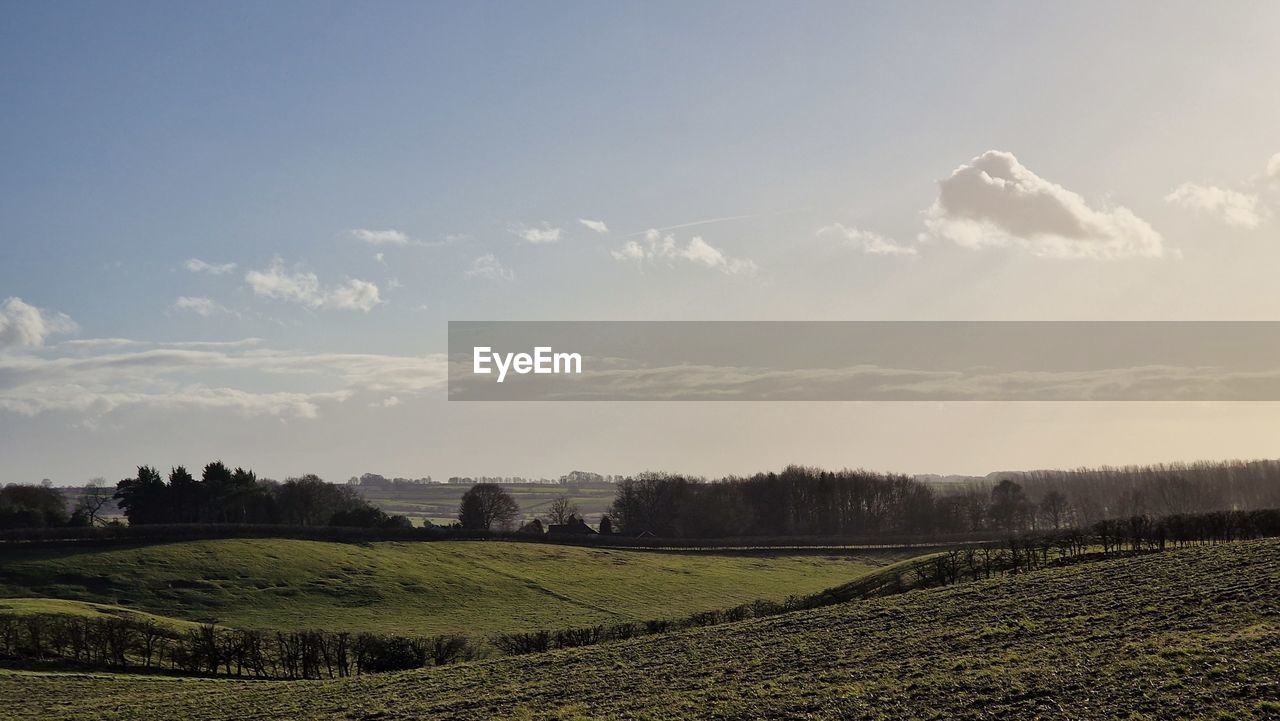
(1192, 633)
(415, 588)
(84, 609)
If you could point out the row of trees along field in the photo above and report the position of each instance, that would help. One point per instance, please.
(803, 501)
(132, 644)
(223, 495)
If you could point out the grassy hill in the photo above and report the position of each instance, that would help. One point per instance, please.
(1191, 633)
(415, 588)
(84, 609)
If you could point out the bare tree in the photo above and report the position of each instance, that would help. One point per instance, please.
(1054, 508)
(561, 510)
(95, 497)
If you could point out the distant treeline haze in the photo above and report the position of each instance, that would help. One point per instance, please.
(803, 501)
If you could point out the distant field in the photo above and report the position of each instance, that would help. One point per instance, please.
(438, 502)
(415, 588)
(1191, 633)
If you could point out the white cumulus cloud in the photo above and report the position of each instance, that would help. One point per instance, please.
(488, 267)
(24, 325)
(866, 240)
(994, 201)
(1232, 207)
(195, 265)
(303, 287)
(544, 233)
(596, 225)
(657, 247)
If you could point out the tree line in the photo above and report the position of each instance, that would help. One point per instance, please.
(148, 645)
(223, 495)
(812, 502)
(798, 502)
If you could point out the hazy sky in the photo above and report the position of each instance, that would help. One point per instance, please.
(237, 230)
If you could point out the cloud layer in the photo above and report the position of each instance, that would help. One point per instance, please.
(994, 200)
(172, 377)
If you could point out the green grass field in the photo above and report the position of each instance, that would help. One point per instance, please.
(1192, 633)
(415, 588)
(84, 609)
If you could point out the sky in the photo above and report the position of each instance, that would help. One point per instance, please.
(238, 230)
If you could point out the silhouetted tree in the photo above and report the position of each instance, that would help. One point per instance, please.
(606, 526)
(31, 507)
(486, 506)
(188, 496)
(93, 499)
(309, 501)
(144, 498)
(561, 509)
(1008, 505)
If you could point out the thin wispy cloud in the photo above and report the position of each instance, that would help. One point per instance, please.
(994, 201)
(389, 236)
(543, 233)
(199, 305)
(304, 288)
(711, 221)
(488, 267)
(195, 265)
(594, 225)
(866, 241)
(95, 343)
(102, 343)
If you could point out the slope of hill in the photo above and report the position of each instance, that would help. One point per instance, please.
(415, 588)
(83, 609)
(1192, 633)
